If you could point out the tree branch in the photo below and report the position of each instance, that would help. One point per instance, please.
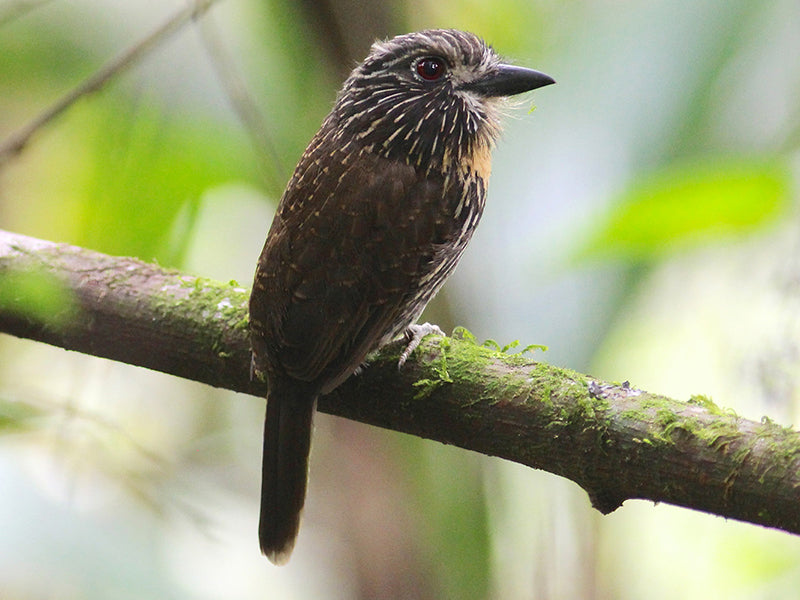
(15, 142)
(614, 441)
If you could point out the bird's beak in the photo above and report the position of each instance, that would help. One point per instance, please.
(508, 80)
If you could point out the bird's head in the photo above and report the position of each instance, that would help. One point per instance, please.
(429, 98)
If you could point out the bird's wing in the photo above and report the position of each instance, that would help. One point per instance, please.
(353, 256)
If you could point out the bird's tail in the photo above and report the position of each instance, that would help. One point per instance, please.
(284, 472)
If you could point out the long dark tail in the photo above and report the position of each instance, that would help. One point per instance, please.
(284, 472)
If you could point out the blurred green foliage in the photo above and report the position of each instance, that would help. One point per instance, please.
(39, 295)
(151, 165)
(16, 416)
(688, 205)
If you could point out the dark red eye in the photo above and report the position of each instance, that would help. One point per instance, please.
(430, 68)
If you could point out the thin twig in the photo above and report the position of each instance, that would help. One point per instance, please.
(245, 107)
(15, 142)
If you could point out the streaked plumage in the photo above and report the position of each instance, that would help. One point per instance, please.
(375, 217)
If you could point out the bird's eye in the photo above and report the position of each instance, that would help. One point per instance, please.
(430, 68)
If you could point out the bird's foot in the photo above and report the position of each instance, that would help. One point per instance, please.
(413, 336)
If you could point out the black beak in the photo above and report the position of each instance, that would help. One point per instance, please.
(508, 80)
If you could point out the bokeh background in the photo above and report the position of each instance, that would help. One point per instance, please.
(642, 223)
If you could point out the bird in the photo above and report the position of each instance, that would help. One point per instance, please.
(375, 216)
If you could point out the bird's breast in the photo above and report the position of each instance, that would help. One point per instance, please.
(479, 161)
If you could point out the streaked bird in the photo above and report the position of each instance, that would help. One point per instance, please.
(375, 217)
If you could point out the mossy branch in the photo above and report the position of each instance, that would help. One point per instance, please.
(615, 441)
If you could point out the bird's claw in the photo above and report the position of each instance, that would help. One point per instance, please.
(413, 336)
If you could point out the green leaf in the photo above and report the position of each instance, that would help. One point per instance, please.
(17, 416)
(147, 165)
(687, 205)
(38, 295)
